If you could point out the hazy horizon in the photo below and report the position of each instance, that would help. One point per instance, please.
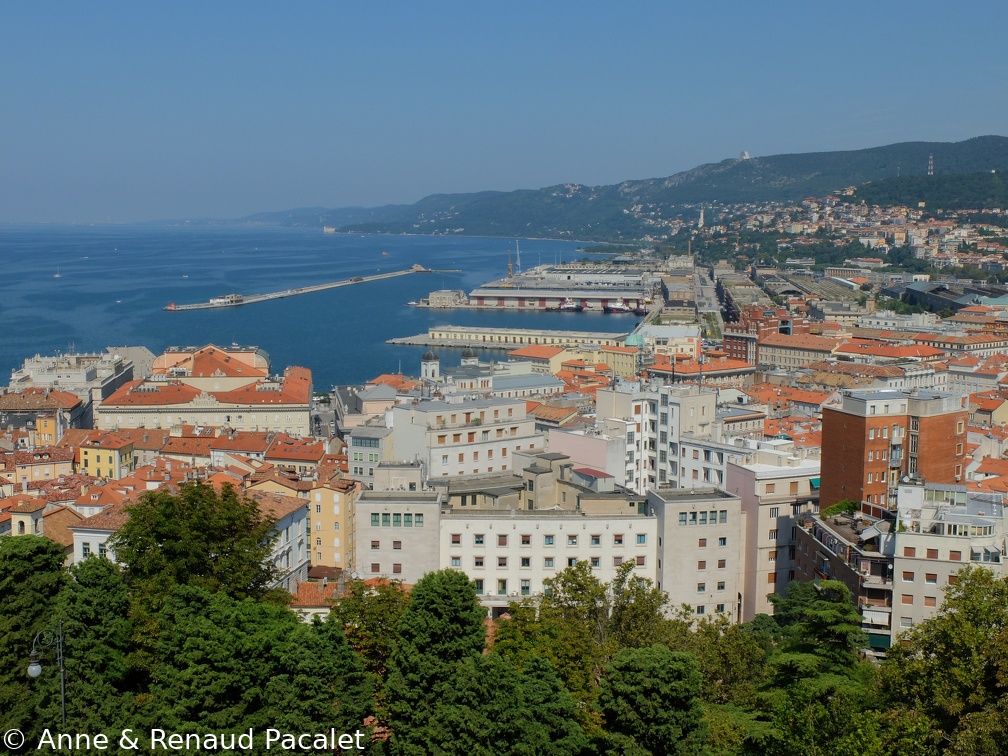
(121, 113)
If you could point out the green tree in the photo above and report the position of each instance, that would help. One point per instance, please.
(952, 670)
(226, 665)
(651, 696)
(637, 617)
(31, 578)
(197, 537)
(370, 616)
(98, 634)
(492, 708)
(442, 626)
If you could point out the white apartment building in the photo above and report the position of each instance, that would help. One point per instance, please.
(700, 549)
(942, 529)
(477, 437)
(509, 554)
(655, 417)
(775, 487)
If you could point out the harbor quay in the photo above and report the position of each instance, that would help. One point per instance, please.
(503, 338)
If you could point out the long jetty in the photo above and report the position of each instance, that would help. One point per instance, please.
(234, 300)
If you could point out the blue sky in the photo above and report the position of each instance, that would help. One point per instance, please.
(126, 111)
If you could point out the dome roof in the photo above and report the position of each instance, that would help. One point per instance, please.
(429, 356)
(468, 353)
(634, 340)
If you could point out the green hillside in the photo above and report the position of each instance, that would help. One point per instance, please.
(636, 208)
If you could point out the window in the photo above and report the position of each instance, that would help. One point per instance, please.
(375, 545)
(722, 541)
(906, 598)
(641, 561)
(502, 540)
(502, 561)
(617, 561)
(526, 587)
(773, 534)
(596, 562)
(703, 518)
(908, 577)
(909, 551)
(930, 601)
(617, 539)
(456, 538)
(478, 539)
(596, 540)
(701, 565)
(397, 545)
(641, 539)
(773, 555)
(548, 563)
(932, 553)
(548, 540)
(771, 488)
(701, 587)
(723, 516)
(86, 550)
(721, 564)
(526, 540)
(386, 520)
(478, 561)
(771, 577)
(374, 520)
(572, 540)
(456, 561)
(931, 578)
(682, 518)
(407, 520)
(479, 586)
(375, 567)
(701, 609)
(502, 587)
(774, 512)
(396, 569)
(721, 585)
(418, 520)
(720, 608)
(526, 561)
(572, 561)
(702, 543)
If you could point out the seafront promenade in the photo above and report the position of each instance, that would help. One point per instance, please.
(233, 300)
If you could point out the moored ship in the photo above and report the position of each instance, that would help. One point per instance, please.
(619, 307)
(568, 305)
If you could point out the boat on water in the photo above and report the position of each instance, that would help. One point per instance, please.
(57, 273)
(619, 307)
(412, 303)
(568, 305)
(640, 310)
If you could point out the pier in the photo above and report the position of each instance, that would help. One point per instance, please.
(233, 300)
(508, 338)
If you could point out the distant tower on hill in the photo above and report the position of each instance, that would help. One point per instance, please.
(700, 222)
(931, 164)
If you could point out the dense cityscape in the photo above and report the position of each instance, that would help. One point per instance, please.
(753, 502)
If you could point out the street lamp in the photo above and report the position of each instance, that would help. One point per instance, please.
(50, 638)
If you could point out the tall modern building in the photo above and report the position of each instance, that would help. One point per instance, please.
(874, 438)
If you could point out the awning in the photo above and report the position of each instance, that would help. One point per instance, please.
(814, 482)
(870, 532)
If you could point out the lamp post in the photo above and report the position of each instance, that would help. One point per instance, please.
(50, 638)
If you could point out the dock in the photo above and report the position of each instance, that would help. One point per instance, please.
(509, 338)
(234, 300)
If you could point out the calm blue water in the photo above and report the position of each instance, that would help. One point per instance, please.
(115, 280)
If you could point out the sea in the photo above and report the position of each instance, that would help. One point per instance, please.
(83, 288)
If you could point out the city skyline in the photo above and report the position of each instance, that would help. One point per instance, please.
(123, 113)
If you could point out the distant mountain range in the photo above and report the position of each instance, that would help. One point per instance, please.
(632, 209)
